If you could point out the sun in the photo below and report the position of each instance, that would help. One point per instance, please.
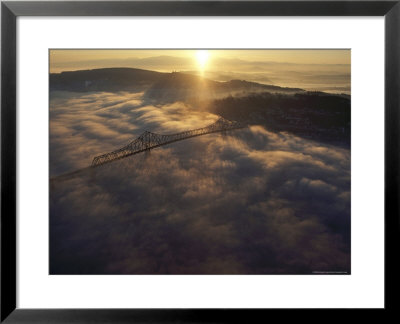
(202, 58)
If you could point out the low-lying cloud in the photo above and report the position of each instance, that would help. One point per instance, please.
(247, 202)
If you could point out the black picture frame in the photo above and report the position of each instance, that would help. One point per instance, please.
(10, 10)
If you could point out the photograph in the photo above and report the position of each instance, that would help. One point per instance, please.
(199, 161)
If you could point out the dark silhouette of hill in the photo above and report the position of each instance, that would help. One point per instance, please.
(314, 115)
(177, 86)
(108, 79)
(160, 87)
(242, 84)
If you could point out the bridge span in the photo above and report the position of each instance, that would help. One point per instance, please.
(149, 140)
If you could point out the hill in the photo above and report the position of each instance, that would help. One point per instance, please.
(177, 86)
(314, 115)
(160, 87)
(108, 79)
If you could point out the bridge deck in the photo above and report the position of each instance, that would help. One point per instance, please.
(148, 140)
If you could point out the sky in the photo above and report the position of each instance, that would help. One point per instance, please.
(323, 70)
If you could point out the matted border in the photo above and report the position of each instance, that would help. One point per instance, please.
(9, 12)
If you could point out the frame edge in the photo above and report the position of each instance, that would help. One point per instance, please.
(8, 294)
(203, 8)
(8, 157)
(392, 151)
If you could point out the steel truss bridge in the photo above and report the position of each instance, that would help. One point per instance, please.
(149, 140)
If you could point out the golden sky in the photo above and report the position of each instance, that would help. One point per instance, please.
(62, 60)
(325, 70)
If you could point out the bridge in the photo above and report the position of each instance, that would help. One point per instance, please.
(149, 140)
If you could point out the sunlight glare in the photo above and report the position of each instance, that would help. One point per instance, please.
(202, 58)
